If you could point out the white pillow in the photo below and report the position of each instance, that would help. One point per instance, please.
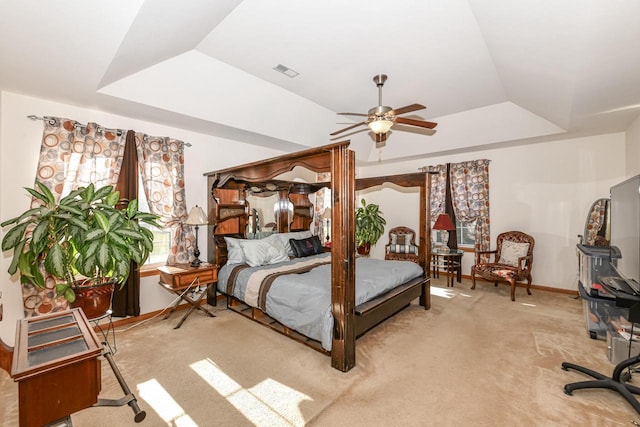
(234, 251)
(297, 235)
(511, 251)
(280, 254)
(263, 252)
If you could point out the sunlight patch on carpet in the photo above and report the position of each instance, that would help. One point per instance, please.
(164, 405)
(442, 292)
(268, 403)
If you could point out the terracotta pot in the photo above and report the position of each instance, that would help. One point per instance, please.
(95, 300)
(364, 249)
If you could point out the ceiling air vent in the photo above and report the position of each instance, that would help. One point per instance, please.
(285, 70)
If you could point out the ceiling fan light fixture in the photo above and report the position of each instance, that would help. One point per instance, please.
(381, 125)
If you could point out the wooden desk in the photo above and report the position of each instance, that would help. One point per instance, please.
(181, 278)
(452, 263)
(56, 366)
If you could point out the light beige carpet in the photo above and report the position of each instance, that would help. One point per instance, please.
(475, 358)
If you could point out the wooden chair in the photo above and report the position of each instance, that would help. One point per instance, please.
(402, 245)
(513, 259)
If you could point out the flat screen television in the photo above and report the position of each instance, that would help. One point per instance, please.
(625, 230)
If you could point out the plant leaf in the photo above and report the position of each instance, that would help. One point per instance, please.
(104, 256)
(39, 236)
(72, 209)
(94, 234)
(78, 223)
(102, 220)
(37, 195)
(17, 254)
(132, 209)
(112, 198)
(131, 234)
(69, 295)
(50, 198)
(14, 236)
(105, 193)
(54, 263)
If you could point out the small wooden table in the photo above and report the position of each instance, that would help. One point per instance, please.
(452, 263)
(181, 278)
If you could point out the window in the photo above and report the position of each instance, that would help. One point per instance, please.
(465, 233)
(161, 237)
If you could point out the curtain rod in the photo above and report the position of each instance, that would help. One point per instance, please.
(34, 117)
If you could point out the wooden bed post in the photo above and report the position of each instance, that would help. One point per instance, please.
(425, 236)
(343, 350)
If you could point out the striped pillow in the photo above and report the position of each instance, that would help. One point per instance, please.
(401, 244)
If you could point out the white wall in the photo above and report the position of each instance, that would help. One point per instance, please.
(632, 149)
(542, 189)
(19, 148)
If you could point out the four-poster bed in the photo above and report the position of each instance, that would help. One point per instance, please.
(229, 211)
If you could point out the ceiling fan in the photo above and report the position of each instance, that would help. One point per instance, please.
(380, 119)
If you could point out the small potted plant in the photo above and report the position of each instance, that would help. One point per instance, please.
(369, 226)
(82, 242)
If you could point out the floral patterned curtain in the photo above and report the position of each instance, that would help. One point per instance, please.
(470, 193)
(75, 155)
(437, 203)
(161, 161)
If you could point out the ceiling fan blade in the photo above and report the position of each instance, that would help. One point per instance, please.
(381, 140)
(353, 114)
(414, 122)
(408, 109)
(347, 128)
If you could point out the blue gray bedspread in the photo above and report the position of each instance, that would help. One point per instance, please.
(302, 301)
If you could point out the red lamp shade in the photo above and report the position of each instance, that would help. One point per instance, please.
(444, 223)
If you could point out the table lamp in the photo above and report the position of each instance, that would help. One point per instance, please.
(444, 225)
(196, 217)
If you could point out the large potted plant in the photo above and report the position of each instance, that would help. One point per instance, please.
(84, 242)
(369, 226)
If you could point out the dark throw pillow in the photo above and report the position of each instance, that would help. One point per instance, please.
(306, 247)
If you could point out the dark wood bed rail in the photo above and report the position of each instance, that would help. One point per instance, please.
(367, 315)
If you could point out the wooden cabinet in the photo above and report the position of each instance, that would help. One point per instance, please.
(56, 366)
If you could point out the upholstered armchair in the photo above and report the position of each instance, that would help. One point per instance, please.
(513, 259)
(402, 245)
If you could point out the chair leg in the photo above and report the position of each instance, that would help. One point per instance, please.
(529, 284)
(473, 278)
(513, 289)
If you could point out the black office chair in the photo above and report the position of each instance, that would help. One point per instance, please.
(618, 380)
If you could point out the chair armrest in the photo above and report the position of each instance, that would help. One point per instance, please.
(523, 262)
(478, 253)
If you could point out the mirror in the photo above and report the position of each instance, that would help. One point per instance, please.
(596, 228)
(294, 202)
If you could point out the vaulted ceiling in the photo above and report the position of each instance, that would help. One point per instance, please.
(489, 71)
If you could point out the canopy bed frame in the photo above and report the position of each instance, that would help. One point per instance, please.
(228, 213)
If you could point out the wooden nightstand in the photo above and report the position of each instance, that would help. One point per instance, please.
(181, 278)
